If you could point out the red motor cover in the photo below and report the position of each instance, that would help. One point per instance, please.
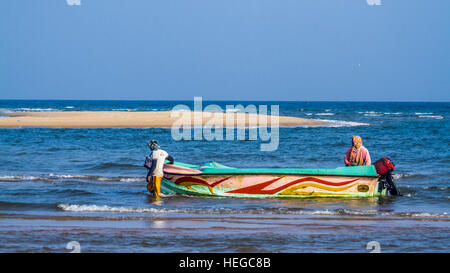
(383, 165)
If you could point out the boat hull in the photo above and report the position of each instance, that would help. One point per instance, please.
(271, 185)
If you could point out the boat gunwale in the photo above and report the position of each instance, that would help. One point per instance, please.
(272, 173)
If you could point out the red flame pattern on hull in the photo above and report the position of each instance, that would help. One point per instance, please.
(259, 188)
(198, 180)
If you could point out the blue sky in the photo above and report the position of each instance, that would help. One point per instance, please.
(225, 50)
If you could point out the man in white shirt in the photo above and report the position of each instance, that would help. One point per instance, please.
(155, 166)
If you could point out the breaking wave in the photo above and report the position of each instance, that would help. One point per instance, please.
(35, 109)
(258, 211)
(57, 177)
(373, 114)
(404, 176)
(435, 117)
(104, 208)
(341, 123)
(8, 178)
(324, 114)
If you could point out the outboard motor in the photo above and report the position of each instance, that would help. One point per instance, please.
(385, 167)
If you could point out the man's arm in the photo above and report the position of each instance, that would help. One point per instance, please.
(152, 168)
(347, 158)
(368, 159)
(170, 158)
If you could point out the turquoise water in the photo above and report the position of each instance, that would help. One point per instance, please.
(88, 185)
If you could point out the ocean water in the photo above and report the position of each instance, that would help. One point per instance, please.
(88, 185)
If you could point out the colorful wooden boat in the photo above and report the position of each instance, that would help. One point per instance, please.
(214, 179)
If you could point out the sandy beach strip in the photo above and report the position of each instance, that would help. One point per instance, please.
(161, 119)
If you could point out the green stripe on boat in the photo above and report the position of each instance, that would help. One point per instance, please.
(216, 168)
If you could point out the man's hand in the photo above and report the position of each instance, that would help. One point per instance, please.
(148, 163)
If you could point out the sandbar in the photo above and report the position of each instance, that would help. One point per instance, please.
(161, 119)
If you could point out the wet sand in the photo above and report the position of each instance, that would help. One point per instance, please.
(161, 119)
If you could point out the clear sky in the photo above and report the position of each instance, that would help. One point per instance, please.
(225, 50)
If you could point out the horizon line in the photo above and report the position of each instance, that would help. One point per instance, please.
(220, 100)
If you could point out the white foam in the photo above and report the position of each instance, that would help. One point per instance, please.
(341, 212)
(341, 123)
(233, 110)
(372, 115)
(369, 112)
(423, 113)
(53, 177)
(435, 117)
(323, 212)
(105, 208)
(426, 214)
(36, 109)
(325, 114)
(401, 175)
(108, 179)
(66, 176)
(135, 179)
(19, 178)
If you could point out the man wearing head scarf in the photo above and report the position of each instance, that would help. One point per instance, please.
(357, 155)
(155, 166)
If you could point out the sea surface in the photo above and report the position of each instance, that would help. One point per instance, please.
(88, 185)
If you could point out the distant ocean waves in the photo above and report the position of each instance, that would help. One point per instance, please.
(61, 177)
(27, 109)
(400, 114)
(75, 108)
(69, 177)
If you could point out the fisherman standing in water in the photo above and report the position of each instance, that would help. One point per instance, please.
(155, 165)
(357, 155)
